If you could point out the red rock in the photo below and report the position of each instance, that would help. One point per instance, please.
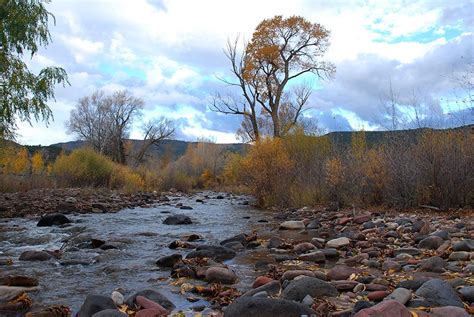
(361, 219)
(261, 280)
(377, 295)
(303, 247)
(450, 311)
(344, 285)
(341, 272)
(388, 308)
(149, 304)
(344, 221)
(151, 312)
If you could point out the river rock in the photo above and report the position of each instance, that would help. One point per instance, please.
(433, 264)
(19, 280)
(331, 253)
(439, 293)
(467, 293)
(388, 308)
(169, 260)
(410, 251)
(298, 288)
(94, 304)
(242, 238)
(177, 220)
(53, 220)
(292, 225)
(109, 313)
(303, 247)
(430, 243)
(291, 274)
(316, 257)
(271, 288)
(152, 295)
(341, 272)
(261, 280)
(377, 295)
(216, 252)
(220, 275)
(464, 245)
(338, 243)
(117, 297)
(9, 292)
(35, 256)
(145, 303)
(391, 266)
(412, 284)
(275, 242)
(401, 295)
(266, 307)
(449, 311)
(459, 256)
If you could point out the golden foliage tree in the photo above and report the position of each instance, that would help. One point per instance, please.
(37, 163)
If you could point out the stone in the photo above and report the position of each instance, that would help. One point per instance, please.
(345, 285)
(220, 275)
(297, 289)
(35, 256)
(361, 219)
(261, 280)
(215, 252)
(94, 304)
(388, 308)
(412, 284)
(145, 303)
(450, 311)
(260, 294)
(439, 293)
(391, 266)
(242, 238)
(110, 313)
(308, 301)
(291, 274)
(338, 243)
(177, 220)
(292, 225)
(443, 234)
(377, 295)
(467, 293)
(464, 245)
(410, 251)
(331, 253)
(430, 243)
(19, 280)
(275, 242)
(362, 305)
(117, 297)
(8, 293)
(150, 312)
(459, 256)
(169, 260)
(53, 220)
(341, 272)
(401, 295)
(433, 264)
(266, 307)
(316, 257)
(303, 247)
(152, 295)
(271, 288)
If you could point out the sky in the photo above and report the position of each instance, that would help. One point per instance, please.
(170, 54)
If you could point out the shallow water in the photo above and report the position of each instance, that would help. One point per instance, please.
(142, 239)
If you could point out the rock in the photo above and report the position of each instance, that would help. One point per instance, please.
(271, 288)
(291, 274)
(152, 295)
(275, 242)
(220, 275)
(145, 303)
(430, 243)
(242, 238)
(117, 297)
(216, 252)
(53, 220)
(150, 312)
(338, 243)
(459, 256)
(177, 220)
(169, 260)
(341, 272)
(303, 247)
(266, 307)
(94, 304)
(109, 313)
(297, 289)
(317, 257)
(292, 225)
(467, 293)
(439, 293)
(450, 311)
(8, 293)
(261, 280)
(361, 219)
(391, 266)
(377, 295)
(433, 264)
(362, 305)
(235, 245)
(330, 253)
(186, 208)
(443, 234)
(401, 295)
(388, 308)
(35, 256)
(261, 294)
(464, 245)
(410, 251)
(19, 280)
(345, 285)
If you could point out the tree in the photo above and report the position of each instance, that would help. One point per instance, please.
(104, 121)
(37, 163)
(280, 51)
(23, 94)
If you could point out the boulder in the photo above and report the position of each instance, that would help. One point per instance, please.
(177, 220)
(169, 260)
(388, 308)
(220, 275)
(298, 288)
(338, 243)
(94, 304)
(152, 295)
(53, 220)
(266, 307)
(216, 252)
(439, 293)
(110, 313)
(35, 256)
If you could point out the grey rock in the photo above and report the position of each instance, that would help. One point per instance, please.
(299, 288)
(464, 245)
(271, 288)
(35, 256)
(439, 293)
(110, 313)
(431, 243)
(434, 264)
(216, 252)
(459, 256)
(266, 307)
(169, 260)
(401, 295)
(177, 220)
(153, 296)
(467, 293)
(53, 220)
(94, 304)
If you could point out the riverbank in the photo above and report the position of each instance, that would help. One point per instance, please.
(213, 253)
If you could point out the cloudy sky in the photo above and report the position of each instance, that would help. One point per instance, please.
(169, 52)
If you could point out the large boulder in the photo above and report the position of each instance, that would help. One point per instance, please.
(153, 296)
(221, 275)
(35, 256)
(388, 308)
(94, 304)
(53, 220)
(216, 252)
(298, 289)
(266, 307)
(177, 220)
(439, 293)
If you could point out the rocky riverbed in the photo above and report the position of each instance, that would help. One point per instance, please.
(213, 254)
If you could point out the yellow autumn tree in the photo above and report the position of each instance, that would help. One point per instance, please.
(21, 164)
(37, 163)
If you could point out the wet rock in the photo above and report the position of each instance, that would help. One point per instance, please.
(220, 275)
(459, 256)
(266, 307)
(401, 295)
(152, 295)
(464, 245)
(303, 247)
(35, 256)
(271, 288)
(117, 297)
(109, 313)
(169, 260)
(53, 220)
(216, 252)
(145, 303)
(186, 208)
(291, 274)
(377, 295)
(410, 251)
(341, 272)
(298, 288)
(7, 293)
(439, 293)
(316, 257)
(338, 243)
(467, 293)
(389, 308)
(150, 312)
(430, 243)
(433, 264)
(234, 245)
(19, 280)
(94, 304)
(242, 238)
(275, 243)
(391, 266)
(261, 280)
(292, 225)
(177, 220)
(450, 311)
